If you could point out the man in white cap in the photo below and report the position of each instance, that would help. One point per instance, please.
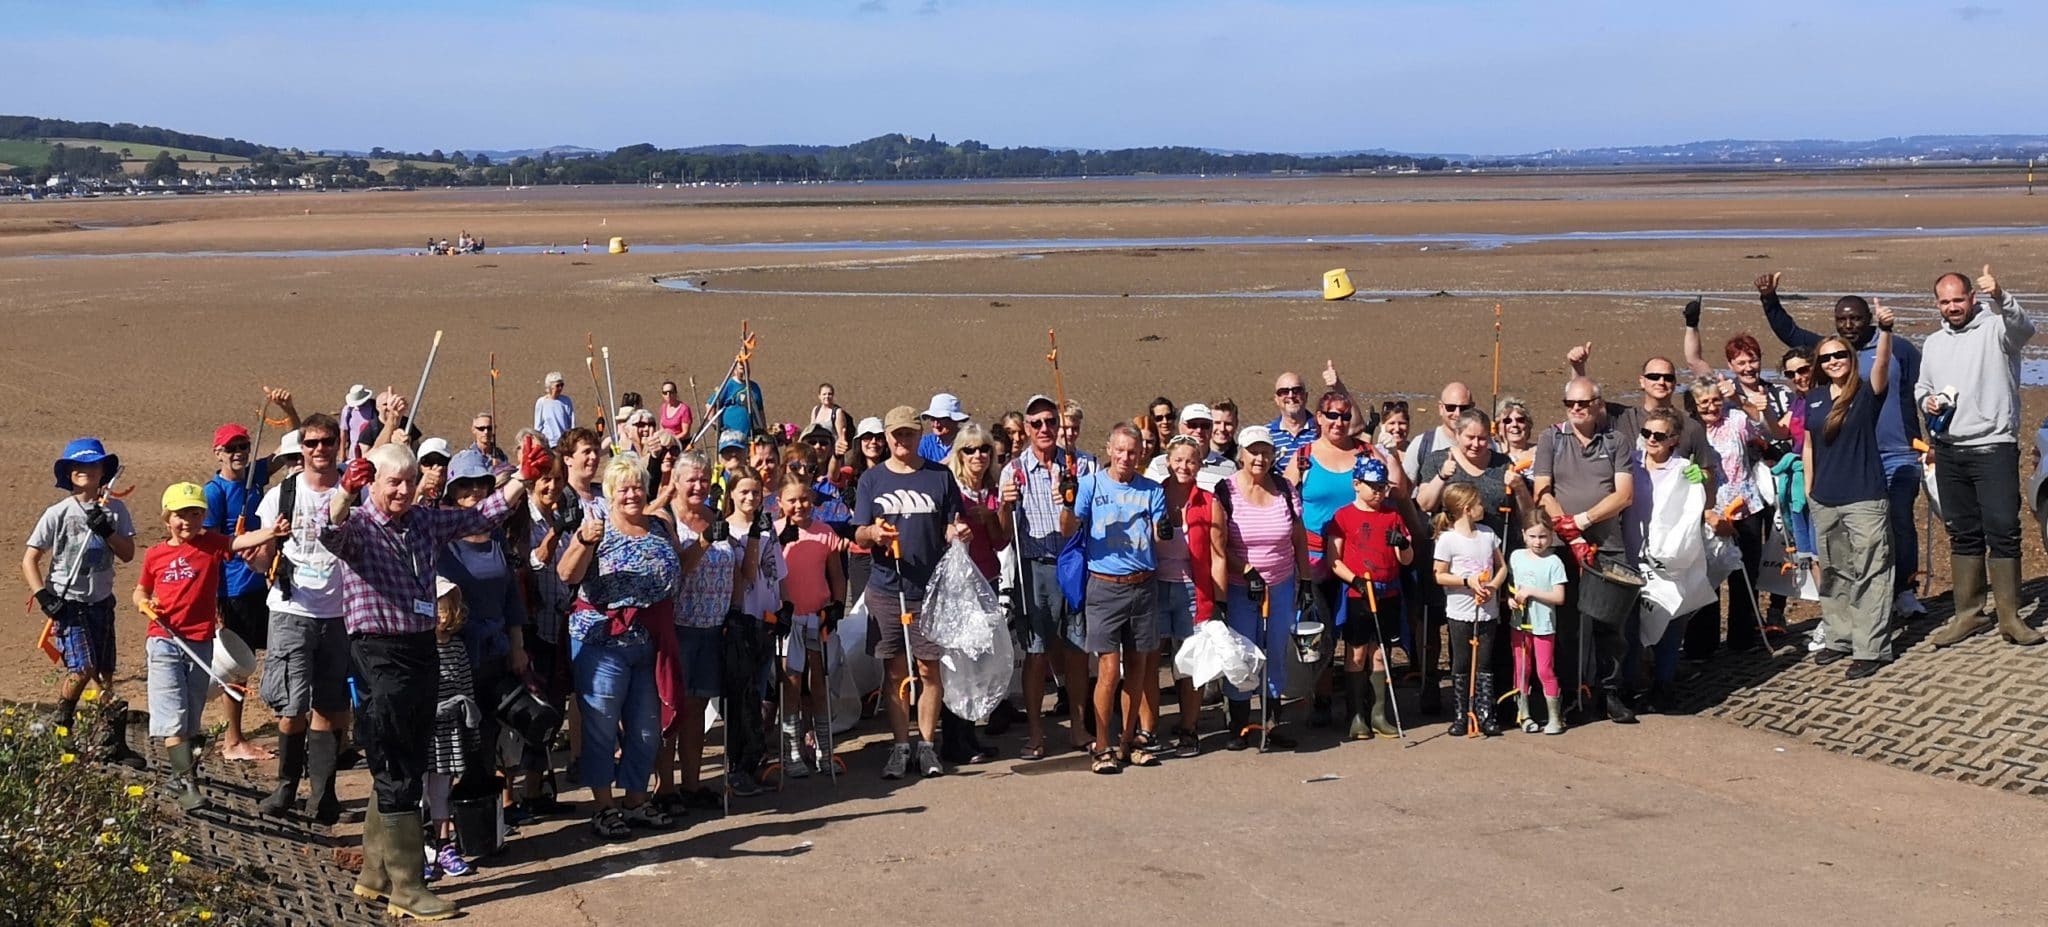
(553, 413)
(944, 417)
(1197, 422)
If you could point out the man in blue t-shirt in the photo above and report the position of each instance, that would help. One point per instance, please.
(1122, 514)
(737, 404)
(231, 498)
(906, 510)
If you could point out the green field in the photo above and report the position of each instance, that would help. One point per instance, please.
(25, 152)
(138, 151)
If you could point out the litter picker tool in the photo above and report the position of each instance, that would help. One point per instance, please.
(906, 688)
(745, 355)
(828, 755)
(234, 691)
(419, 393)
(494, 389)
(1495, 402)
(249, 478)
(611, 391)
(775, 765)
(1372, 601)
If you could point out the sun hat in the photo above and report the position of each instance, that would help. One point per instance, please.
(228, 432)
(1196, 412)
(639, 415)
(288, 445)
(430, 447)
(469, 464)
(732, 439)
(904, 418)
(1368, 470)
(442, 586)
(357, 395)
(624, 415)
(1255, 434)
(869, 426)
(944, 405)
(85, 451)
(181, 496)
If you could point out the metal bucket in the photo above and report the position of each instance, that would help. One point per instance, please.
(1308, 642)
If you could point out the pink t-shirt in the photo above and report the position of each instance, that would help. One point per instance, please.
(676, 420)
(1262, 537)
(805, 586)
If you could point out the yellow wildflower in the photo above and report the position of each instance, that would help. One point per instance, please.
(141, 868)
(107, 839)
(9, 712)
(56, 864)
(135, 791)
(63, 731)
(206, 915)
(100, 922)
(180, 858)
(66, 759)
(6, 731)
(92, 696)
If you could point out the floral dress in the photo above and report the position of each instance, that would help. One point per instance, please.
(630, 572)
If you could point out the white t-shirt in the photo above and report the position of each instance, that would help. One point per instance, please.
(81, 564)
(1467, 556)
(316, 577)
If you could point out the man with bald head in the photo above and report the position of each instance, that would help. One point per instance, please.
(1584, 484)
(1454, 400)
(1294, 427)
(1898, 421)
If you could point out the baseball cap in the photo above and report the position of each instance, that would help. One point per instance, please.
(818, 431)
(432, 446)
(288, 445)
(181, 496)
(1196, 412)
(469, 464)
(944, 405)
(1255, 434)
(357, 395)
(228, 432)
(625, 414)
(905, 417)
(85, 451)
(1369, 470)
(1040, 399)
(553, 378)
(732, 439)
(868, 426)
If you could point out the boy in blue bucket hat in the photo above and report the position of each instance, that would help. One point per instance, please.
(69, 567)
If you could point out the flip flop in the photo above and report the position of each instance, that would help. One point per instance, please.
(1032, 752)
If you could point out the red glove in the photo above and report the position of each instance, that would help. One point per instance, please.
(534, 459)
(1567, 529)
(1586, 553)
(358, 475)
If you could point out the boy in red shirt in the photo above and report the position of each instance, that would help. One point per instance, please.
(177, 591)
(1368, 545)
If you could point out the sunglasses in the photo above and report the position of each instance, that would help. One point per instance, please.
(1165, 417)
(318, 442)
(1455, 407)
(1660, 377)
(483, 428)
(1654, 435)
(1038, 424)
(1337, 416)
(1514, 420)
(1290, 391)
(1799, 371)
(977, 450)
(238, 447)
(1579, 403)
(1833, 356)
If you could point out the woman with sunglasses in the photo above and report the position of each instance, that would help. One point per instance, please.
(1190, 580)
(1516, 427)
(675, 414)
(870, 448)
(1845, 487)
(1157, 425)
(972, 461)
(1662, 509)
(1267, 569)
(1794, 517)
(1471, 458)
(1736, 435)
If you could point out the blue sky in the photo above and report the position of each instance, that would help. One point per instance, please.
(1472, 76)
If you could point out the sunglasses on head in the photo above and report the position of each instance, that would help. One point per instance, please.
(1660, 377)
(1394, 405)
(1579, 403)
(1337, 415)
(1290, 391)
(1456, 407)
(318, 442)
(1651, 434)
(1833, 356)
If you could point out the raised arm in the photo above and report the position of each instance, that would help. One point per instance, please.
(1695, 359)
(1781, 321)
(1881, 362)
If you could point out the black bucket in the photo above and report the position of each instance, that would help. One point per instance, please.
(1603, 599)
(526, 714)
(480, 819)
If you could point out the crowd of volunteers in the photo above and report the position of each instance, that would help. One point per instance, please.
(460, 614)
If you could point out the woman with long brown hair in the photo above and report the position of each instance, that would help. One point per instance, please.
(1845, 489)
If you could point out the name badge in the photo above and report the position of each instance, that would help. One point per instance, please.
(423, 607)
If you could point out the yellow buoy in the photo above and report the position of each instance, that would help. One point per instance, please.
(1337, 284)
(618, 245)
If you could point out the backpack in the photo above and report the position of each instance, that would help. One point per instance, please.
(282, 569)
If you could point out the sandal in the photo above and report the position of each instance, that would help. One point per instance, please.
(648, 816)
(670, 803)
(610, 824)
(1142, 757)
(1105, 764)
(1186, 744)
(1148, 741)
(1032, 752)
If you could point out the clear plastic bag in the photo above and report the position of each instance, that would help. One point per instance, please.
(960, 610)
(974, 685)
(1216, 650)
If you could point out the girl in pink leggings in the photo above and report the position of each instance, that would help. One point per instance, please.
(1537, 589)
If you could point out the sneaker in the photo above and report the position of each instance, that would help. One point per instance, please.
(899, 762)
(741, 785)
(793, 765)
(1907, 605)
(1859, 669)
(821, 744)
(431, 870)
(928, 761)
(1818, 640)
(451, 862)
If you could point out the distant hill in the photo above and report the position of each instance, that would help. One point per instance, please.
(1911, 148)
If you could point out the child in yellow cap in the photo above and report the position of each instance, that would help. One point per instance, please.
(176, 592)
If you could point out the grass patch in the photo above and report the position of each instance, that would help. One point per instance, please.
(138, 151)
(24, 152)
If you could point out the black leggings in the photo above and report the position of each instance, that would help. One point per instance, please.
(1462, 634)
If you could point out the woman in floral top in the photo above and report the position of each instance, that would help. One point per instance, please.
(702, 600)
(1736, 432)
(621, 633)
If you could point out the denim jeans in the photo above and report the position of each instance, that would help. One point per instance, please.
(1980, 499)
(1243, 617)
(621, 710)
(1902, 489)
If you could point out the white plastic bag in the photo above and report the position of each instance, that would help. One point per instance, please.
(1216, 650)
(855, 673)
(975, 684)
(1723, 558)
(960, 610)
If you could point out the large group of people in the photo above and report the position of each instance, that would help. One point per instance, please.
(629, 572)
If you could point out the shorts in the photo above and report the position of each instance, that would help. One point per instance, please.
(1176, 600)
(700, 652)
(1046, 607)
(1121, 617)
(85, 636)
(806, 637)
(307, 665)
(177, 688)
(887, 632)
(1362, 627)
(248, 615)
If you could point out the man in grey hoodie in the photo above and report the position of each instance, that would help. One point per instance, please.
(1969, 386)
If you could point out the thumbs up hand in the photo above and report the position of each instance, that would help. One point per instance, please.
(1987, 285)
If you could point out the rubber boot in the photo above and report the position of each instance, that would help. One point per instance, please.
(184, 781)
(1354, 698)
(374, 883)
(404, 848)
(1272, 738)
(1489, 723)
(1240, 714)
(114, 740)
(1382, 700)
(1555, 703)
(321, 749)
(1967, 594)
(1523, 719)
(2005, 587)
(1460, 699)
(291, 764)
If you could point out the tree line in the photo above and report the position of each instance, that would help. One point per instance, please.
(37, 127)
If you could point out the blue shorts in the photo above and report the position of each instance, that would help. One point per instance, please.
(85, 636)
(700, 653)
(1176, 598)
(1046, 606)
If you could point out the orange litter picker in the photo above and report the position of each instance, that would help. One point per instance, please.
(906, 691)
